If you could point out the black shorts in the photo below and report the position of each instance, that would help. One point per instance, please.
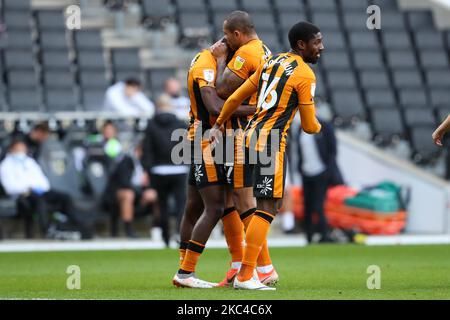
(269, 175)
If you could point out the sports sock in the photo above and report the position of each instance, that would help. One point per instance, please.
(257, 231)
(264, 256)
(182, 251)
(193, 253)
(234, 233)
(265, 269)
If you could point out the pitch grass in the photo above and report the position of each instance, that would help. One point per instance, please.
(315, 272)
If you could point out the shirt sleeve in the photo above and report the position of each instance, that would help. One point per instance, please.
(243, 64)
(233, 101)
(205, 76)
(306, 89)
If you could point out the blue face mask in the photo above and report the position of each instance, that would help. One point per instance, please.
(19, 156)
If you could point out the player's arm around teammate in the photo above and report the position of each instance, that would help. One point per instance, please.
(439, 133)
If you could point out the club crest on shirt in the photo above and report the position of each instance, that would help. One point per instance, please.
(238, 63)
(209, 75)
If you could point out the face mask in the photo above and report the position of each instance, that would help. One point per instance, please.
(19, 156)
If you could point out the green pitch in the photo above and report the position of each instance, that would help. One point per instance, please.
(315, 272)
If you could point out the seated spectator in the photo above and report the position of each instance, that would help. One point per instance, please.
(127, 99)
(180, 103)
(37, 136)
(23, 179)
(128, 190)
(168, 179)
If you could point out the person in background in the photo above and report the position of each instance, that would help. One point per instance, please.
(127, 99)
(318, 168)
(36, 138)
(23, 179)
(168, 179)
(128, 189)
(172, 87)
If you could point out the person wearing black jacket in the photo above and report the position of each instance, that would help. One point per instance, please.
(318, 168)
(167, 178)
(128, 189)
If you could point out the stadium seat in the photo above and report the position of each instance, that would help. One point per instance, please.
(125, 59)
(366, 40)
(420, 20)
(356, 21)
(92, 99)
(432, 59)
(428, 39)
(284, 6)
(419, 116)
(18, 20)
(386, 5)
(393, 21)
(56, 59)
(91, 59)
(60, 100)
(51, 19)
(193, 20)
(253, 6)
(374, 79)
(88, 39)
(328, 21)
(367, 59)
(334, 40)
(335, 60)
(423, 150)
(53, 40)
(191, 5)
(442, 112)
(157, 7)
(380, 98)
(25, 78)
(263, 21)
(19, 5)
(322, 5)
(289, 19)
(407, 79)
(386, 124)
(354, 5)
(19, 39)
(342, 79)
(93, 79)
(19, 59)
(157, 77)
(348, 105)
(223, 6)
(440, 96)
(401, 59)
(438, 78)
(413, 97)
(271, 40)
(24, 100)
(58, 79)
(396, 40)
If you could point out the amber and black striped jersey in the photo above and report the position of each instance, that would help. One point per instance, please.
(285, 83)
(202, 73)
(245, 61)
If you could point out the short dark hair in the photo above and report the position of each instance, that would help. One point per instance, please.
(132, 82)
(42, 126)
(241, 21)
(304, 31)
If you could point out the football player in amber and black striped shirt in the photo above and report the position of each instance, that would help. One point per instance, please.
(284, 84)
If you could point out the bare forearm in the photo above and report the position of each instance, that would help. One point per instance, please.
(445, 126)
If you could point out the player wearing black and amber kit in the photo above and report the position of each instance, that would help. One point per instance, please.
(206, 192)
(284, 84)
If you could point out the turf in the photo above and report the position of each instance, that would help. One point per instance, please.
(314, 272)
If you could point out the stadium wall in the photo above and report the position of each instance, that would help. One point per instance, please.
(364, 165)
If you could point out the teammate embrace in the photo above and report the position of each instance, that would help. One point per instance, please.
(245, 192)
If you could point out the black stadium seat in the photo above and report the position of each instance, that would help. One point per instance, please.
(386, 124)
(61, 99)
(51, 20)
(432, 59)
(322, 5)
(423, 150)
(401, 59)
(56, 59)
(58, 79)
(420, 20)
(88, 39)
(413, 97)
(348, 105)
(380, 98)
(53, 39)
(438, 78)
(220, 5)
(396, 40)
(284, 6)
(374, 79)
(342, 79)
(419, 116)
(335, 60)
(407, 79)
(253, 6)
(367, 59)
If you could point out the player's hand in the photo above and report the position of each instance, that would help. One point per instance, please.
(215, 133)
(437, 137)
(219, 49)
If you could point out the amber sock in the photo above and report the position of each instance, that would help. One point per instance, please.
(264, 256)
(234, 233)
(182, 251)
(256, 234)
(193, 253)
